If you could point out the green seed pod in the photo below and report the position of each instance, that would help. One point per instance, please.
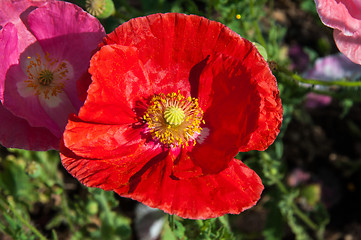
(100, 8)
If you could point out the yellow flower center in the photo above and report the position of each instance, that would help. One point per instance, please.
(173, 119)
(46, 75)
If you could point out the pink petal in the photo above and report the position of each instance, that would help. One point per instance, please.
(16, 12)
(67, 32)
(349, 45)
(27, 107)
(8, 52)
(16, 132)
(344, 16)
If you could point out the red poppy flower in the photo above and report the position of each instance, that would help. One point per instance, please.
(173, 99)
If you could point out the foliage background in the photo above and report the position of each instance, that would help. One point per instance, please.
(311, 173)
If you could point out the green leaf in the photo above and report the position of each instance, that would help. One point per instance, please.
(274, 223)
(167, 233)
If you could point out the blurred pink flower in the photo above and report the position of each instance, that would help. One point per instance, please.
(344, 16)
(314, 100)
(334, 67)
(330, 68)
(45, 49)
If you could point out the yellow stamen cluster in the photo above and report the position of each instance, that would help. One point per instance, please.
(46, 75)
(173, 119)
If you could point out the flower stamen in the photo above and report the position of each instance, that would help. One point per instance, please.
(46, 75)
(173, 119)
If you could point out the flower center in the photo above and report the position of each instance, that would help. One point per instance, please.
(173, 119)
(46, 75)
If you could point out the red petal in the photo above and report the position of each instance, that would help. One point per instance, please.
(238, 97)
(166, 53)
(170, 45)
(233, 190)
(183, 165)
(101, 141)
(188, 41)
(118, 83)
(110, 172)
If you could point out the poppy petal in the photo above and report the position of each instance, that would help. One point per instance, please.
(188, 41)
(16, 132)
(8, 52)
(103, 141)
(111, 172)
(22, 101)
(232, 96)
(107, 145)
(115, 67)
(55, 29)
(344, 17)
(233, 190)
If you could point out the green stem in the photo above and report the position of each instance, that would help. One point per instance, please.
(296, 210)
(171, 222)
(26, 223)
(318, 82)
(304, 217)
(260, 37)
(65, 207)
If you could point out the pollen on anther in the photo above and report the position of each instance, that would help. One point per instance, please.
(46, 75)
(173, 119)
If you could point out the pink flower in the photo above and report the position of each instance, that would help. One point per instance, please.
(330, 68)
(45, 48)
(344, 16)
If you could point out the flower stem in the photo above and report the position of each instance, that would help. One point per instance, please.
(260, 37)
(171, 222)
(300, 79)
(296, 210)
(304, 217)
(26, 223)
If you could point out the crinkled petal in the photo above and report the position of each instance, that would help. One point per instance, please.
(171, 59)
(237, 96)
(119, 83)
(164, 53)
(67, 32)
(344, 16)
(233, 190)
(185, 49)
(183, 165)
(16, 132)
(8, 52)
(147, 176)
(103, 141)
(111, 172)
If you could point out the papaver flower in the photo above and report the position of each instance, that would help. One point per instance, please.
(45, 48)
(173, 99)
(344, 17)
